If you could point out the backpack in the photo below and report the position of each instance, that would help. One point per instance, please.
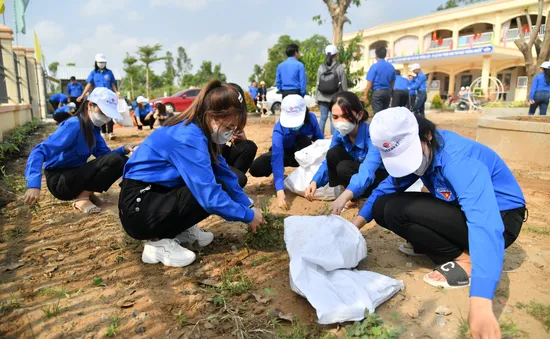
(329, 82)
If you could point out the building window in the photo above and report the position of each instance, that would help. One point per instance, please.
(523, 82)
(465, 80)
(435, 85)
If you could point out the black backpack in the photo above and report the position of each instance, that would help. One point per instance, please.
(329, 82)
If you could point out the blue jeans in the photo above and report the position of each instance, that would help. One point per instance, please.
(325, 114)
(420, 103)
(541, 100)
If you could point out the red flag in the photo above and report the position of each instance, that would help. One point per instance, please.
(434, 36)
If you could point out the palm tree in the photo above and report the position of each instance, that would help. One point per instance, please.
(131, 70)
(148, 54)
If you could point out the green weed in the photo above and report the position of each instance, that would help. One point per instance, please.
(538, 230)
(52, 291)
(219, 300)
(52, 310)
(508, 329)
(15, 232)
(234, 282)
(269, 237)
(113, 326)
(537, 310)
(182, 319)
(371, 327)
(262, 259)
(10, 305)
(98, 281)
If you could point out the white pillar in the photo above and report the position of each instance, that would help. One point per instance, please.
(6, 38)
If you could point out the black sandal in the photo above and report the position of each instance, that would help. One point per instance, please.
(455, 275)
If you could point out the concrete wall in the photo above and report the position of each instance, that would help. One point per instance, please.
(515, 140)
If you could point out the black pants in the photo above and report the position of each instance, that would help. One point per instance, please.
(60, 117)
(239, 157)
(380, 100)
(341, 167)
(149, 211)
(291, 91)
(108, 127)
(261, 167)
(412, 101)
(73, 99)
(435, 227)
(94, 176)
(149, 122)
(400, 98)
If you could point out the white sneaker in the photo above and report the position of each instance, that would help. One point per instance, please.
(195, 233)
(167, 251)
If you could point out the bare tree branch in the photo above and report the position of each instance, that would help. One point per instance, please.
(535, 34)
(545, 46)
(518, 22)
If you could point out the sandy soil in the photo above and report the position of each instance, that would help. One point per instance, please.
(52, 256)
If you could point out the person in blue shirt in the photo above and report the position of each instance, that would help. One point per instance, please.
(177, 178)
(352, 161)
(296, 129)
(291, 73)
(412, 93)
(64, 156)
(380, 78)
(101, 76)
(419, 85)
(74, 91)
(57, 100)
(540, 90)
(400, 96)
(144, 113)
(64, 112)
(253, 91)
(474, 209)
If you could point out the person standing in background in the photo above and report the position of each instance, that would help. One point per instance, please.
(380, 78)
(74, 91)
(262, 97)
(412, 93)
(253, 91)
(540, 90)
(419, 85)
(291, 74)
(400, 91)
(331, 79)
(57, 100)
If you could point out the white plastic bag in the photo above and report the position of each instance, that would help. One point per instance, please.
(416, 187)
(124, 110)
(310, 159)
(323, 250)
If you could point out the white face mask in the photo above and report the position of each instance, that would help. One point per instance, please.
(221, 137)
(99, 119)
(101, 65)
(423, 165)
(344, 128)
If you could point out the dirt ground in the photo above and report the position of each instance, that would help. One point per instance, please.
(87, 275)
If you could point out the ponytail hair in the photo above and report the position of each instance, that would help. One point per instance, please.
(217, 101)
(86, 125)
(547, 75)
(329, 59)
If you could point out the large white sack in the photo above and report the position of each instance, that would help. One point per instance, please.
(124, 110)
(323, 250)
(310, 159)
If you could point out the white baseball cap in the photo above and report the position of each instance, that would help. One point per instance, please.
(293, 111)
(107, 101)
(331, 49)
(394, 132)
(141, 99)
(414, 67)
(71, 104)
(100, 57)
(545, 65)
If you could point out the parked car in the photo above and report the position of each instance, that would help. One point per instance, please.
(178, 102)
(274, 99)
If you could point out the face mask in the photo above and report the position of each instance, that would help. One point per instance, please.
(423, 165)
(344, 128)
(219, 137)
(101, 65)
(99, 119)
(296, 129)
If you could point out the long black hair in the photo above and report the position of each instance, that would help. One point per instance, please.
(426, 128)
(329, 59)
(547, 75)
(86, 125)
(349, 103)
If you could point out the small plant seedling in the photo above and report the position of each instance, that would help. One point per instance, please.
(537, 310)
(371, 327)
(234, 282)
(219, 300)
(269, 292)
(10, 305)
(15, 232)
(119, 259)
(182, 319)
(98, 281)
(52, 291)
(113, 327)
(52, 310)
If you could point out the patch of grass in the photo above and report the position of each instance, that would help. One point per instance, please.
(262, 259)
(52, 310)
(60, 292)
(371, 327)
(537, 310)
(16, 182)
(234, 282)
(113, 327)
(269, 237)
(98, 281)
(508, 329)
(219, 300)
(296, 331)
(119, 259)
(182, 319)
(10, 305)
(538, 230)
(15, 232)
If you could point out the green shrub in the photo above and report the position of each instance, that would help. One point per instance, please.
(437, 103)
(16, 138)
(250, 107)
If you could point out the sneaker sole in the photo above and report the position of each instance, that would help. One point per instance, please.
(197, 243)
(168, 262)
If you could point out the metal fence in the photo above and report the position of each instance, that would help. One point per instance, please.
(3, 83)
(17, 78)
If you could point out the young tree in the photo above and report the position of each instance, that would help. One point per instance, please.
(337, 10)
(53, 68)
(525, 45)
(183, 63)
(169, 73)
(148, 55)
(257, 74)
(131, 70)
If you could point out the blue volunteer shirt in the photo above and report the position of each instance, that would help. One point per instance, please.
(142, 112)
(101, 79)
(363, 152)
(472, 176)
(419, 82)
(291, 75)
(401, 83)
(253, 92)
(75, 90)
(65, 148)
(59, 97)
(285, 138)
(539, 84)
(381, 74)
(62, 109)
(410, 84)
(178, 155)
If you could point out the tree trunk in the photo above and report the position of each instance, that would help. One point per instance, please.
(132, 86)
(337, 31)
(531, 72)
(147, 81)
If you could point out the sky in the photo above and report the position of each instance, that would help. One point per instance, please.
(235, 33)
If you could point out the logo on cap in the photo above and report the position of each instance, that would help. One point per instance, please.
(386, 145)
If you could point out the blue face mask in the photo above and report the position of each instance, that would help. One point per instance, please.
(296, 129)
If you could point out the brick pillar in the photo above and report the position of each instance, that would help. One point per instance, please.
(6, 38)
